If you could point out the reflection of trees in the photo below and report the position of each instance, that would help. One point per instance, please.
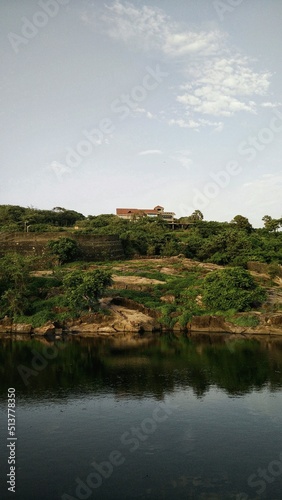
(143, 366)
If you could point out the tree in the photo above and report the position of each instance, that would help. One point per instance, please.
(14, 284)
(65, 249)
(232, 288)
(271, 224)
(197, 215)
(83, 289)
(194, 217)
(11, 218)
(242, 222)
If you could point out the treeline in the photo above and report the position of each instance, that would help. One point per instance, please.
(226, 243)
(15, 218)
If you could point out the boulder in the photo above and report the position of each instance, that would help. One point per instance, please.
(5, 325)
(48, 328)
(208, 323)
(21, 328)
(274, 320)
(169, 299)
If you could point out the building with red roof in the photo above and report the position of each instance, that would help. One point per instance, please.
(132, 213)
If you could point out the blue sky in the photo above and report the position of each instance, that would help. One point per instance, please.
(133, 104)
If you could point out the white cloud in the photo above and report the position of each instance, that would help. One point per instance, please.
(270, 104)
(223, 86)
(150, 152)
(196, 124)
(219, 81)
(192, 42)
(184, 123)
(183, 157)
(151, 28)
(145, 25)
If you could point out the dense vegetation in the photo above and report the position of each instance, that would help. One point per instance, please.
(181, 292)
(226, 243)
(65, 249)
(15, 218)
(232, 288)
(66, 293)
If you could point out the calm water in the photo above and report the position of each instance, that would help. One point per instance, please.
(144, 418)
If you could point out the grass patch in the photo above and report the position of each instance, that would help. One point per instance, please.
(152, 275)
(248, 321)
(150, 300)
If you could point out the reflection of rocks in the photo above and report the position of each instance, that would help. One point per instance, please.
(19, 337)
(130, 342)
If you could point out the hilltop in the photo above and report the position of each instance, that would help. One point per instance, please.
(196, 274)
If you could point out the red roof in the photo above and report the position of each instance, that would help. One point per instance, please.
(127, 211)
(146, 211)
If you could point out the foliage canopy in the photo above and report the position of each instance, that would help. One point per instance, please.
(232, 288)
(83, 289)
(65, 249)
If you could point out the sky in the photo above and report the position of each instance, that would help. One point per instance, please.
(134, 104)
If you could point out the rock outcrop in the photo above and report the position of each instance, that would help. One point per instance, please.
(124, 315)
(121, 319)
(47, 329)
(208, 323)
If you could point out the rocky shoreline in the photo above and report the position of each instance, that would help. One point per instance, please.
(128, 316)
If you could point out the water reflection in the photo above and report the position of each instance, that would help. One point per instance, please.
(140, 366)
(81, 398)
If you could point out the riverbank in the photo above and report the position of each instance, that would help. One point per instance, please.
(123, 320)
(150, 295)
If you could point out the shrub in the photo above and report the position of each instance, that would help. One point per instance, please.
(83, 289)
(232, 288)
(249, 320)
(65, 249)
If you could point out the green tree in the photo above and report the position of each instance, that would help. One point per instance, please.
(271, 224)
(14, 284)
(197, 215)
(242, 222)
(232, 288)
(65, 249)
(83, 289)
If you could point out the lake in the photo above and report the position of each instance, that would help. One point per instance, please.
(143, 417)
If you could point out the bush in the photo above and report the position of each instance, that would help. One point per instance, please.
(14, 284)
(232, 288)
(65, 249)
(83, 289)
